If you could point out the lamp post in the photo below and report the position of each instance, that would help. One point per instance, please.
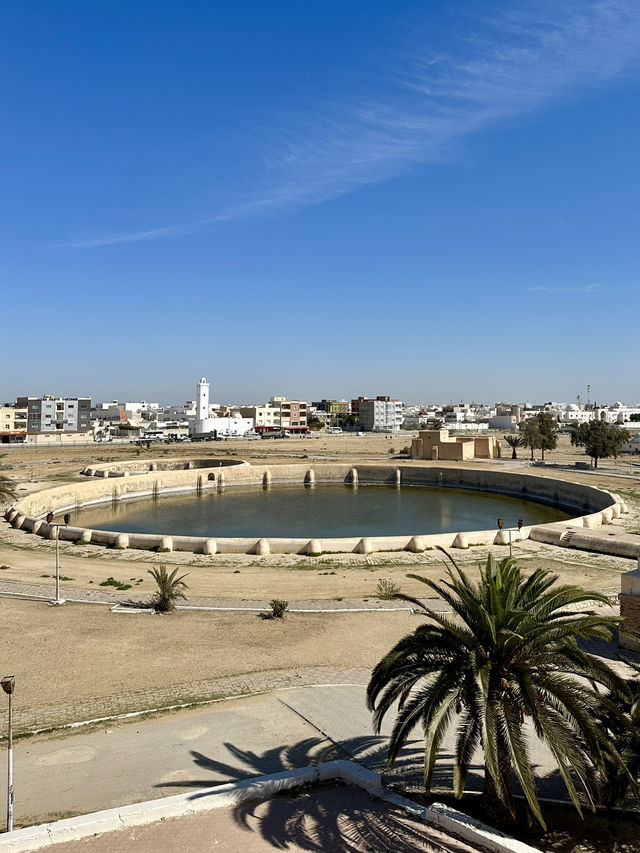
(8, 685)
(57, 600)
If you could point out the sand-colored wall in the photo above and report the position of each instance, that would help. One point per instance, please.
(592, 506)
(630, 609)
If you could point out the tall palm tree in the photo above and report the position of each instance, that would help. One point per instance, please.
(170, 588)
(514, 442)
(7, 487)
(508, 653)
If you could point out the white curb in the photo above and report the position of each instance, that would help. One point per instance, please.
(223, 796)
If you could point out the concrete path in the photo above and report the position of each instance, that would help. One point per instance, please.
(129, 762)
(107, 597)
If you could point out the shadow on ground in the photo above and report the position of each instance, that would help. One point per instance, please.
(340, 819)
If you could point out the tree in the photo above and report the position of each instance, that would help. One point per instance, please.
(514, 442)
(509, 653)
(599, 439)
(622, 724)
(547, 428)
(170, 588)
(7, 487)
(530, 434)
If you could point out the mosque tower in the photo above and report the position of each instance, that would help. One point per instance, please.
(202, 404)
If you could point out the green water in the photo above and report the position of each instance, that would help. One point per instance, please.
(320, 512)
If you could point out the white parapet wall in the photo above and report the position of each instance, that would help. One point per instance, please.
(592, 506)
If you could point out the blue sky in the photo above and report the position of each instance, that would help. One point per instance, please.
(320, 199)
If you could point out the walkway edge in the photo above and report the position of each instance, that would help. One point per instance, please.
(262, 787)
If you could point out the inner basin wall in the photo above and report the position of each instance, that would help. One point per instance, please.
(586, 501)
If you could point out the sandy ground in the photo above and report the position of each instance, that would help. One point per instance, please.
(84, 660)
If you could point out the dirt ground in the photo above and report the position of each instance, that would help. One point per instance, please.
(83, 661)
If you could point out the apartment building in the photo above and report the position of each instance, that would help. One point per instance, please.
(13, 424)
(379, 415)
(265, 418)
(49, 414)
(293, 413)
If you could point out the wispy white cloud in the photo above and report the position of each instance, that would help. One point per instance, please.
(595, 287)
(562, 288)
(494, 69)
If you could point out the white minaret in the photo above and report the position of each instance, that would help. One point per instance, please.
(202, 401)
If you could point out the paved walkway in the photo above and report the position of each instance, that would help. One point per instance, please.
(104, 595)
(62, 713)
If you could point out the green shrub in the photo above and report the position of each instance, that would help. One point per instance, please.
(278, 608)
(386, 589)
(117, 584)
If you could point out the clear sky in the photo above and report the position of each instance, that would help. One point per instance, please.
(437, 201)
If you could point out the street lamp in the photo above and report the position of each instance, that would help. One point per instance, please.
(8, 685)
(57, 600)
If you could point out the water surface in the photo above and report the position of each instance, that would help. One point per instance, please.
(329, 511)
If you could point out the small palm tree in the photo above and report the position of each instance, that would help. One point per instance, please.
(7, 488)
(170, 588)
(509, 653)
(514, 442)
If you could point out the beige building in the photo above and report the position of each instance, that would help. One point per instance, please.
(13, 424)
(264, 417)
(436, 444)
(293, 413)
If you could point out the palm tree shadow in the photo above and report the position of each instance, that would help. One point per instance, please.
(341, 819)
(369, 751)
(609, 650)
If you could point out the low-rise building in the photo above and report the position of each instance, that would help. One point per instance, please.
(331, 411)
(266, 418)
(13, 424)
(435, 444)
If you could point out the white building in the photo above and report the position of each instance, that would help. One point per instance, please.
(204, 424)
(380, 415)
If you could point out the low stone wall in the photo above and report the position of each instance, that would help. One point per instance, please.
(594, 506)
(126, 469)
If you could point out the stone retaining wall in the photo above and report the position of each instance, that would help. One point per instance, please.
(592, 506)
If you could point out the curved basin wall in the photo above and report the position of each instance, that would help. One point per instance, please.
(592, 506)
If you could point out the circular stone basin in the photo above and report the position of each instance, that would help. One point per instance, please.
(325, 511)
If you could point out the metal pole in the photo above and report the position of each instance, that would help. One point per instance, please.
(510, 548)
(10, 773)
(57, 562)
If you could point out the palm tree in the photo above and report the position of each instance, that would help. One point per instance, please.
(514, 442)
(170, 589)
(622, 723)
(509, 653)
